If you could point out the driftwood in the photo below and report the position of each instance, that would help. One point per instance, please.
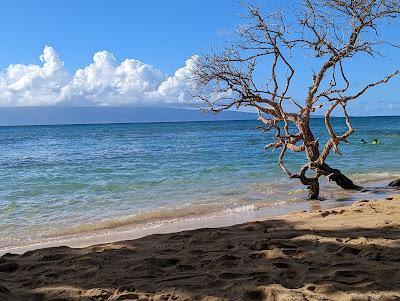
(329, 31)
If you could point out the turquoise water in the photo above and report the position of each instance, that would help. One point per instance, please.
(59, 180)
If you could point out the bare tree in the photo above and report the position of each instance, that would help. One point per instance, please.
(255, 70)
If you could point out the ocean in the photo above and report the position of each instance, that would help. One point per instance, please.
(59, 183)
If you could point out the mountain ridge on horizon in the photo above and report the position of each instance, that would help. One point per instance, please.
(59, 115)
(69, 115)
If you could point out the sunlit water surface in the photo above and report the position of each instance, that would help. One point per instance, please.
(65, 180)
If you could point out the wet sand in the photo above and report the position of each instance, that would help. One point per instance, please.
(344, 253)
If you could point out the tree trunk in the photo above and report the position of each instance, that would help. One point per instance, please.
(313, 190)
(312, 186)
(339, 178)
(313, 153)
(395, 183)
(332, 174)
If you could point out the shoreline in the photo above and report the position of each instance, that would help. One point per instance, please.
(129, 228)
(129, 232)
(345, 253)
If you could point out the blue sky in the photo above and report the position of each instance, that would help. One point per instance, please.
(161, 33)
(146, 45)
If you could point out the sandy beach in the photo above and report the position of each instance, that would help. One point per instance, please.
(200, 150)
(346, 253)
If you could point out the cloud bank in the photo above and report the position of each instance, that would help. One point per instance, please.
(103, 82)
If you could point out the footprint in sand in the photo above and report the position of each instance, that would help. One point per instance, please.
(162, 262)
(4, 290)
(345, 251)
(350, 277)
(254, 295)
(9, 267)
(281, 265)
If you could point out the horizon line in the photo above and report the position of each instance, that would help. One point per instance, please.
(176, 121)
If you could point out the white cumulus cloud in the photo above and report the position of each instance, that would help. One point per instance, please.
(103, 82)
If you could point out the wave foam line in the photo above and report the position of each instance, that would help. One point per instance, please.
(157, 217)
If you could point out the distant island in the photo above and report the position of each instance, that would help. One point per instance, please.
(56, 115)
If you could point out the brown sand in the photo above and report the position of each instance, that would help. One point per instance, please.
(349, 253)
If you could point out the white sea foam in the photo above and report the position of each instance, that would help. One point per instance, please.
(374, 176)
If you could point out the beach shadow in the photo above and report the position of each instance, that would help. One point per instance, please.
(251, 261)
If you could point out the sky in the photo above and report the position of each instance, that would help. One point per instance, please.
(123, 52)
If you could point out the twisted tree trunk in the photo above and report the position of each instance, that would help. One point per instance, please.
(312, 186)
(395, 183)
(313, 155)
(336, 176)
(332, 174)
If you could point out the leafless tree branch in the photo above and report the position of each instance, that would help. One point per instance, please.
(330, 31)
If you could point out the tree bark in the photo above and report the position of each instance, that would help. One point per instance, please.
(313, 189)
(395, 183)
(339, 178)
(331, 173)
(312, 185)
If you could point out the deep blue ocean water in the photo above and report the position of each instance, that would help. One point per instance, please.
(56, 180)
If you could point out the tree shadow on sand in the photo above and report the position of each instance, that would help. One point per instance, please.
(264, 260)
